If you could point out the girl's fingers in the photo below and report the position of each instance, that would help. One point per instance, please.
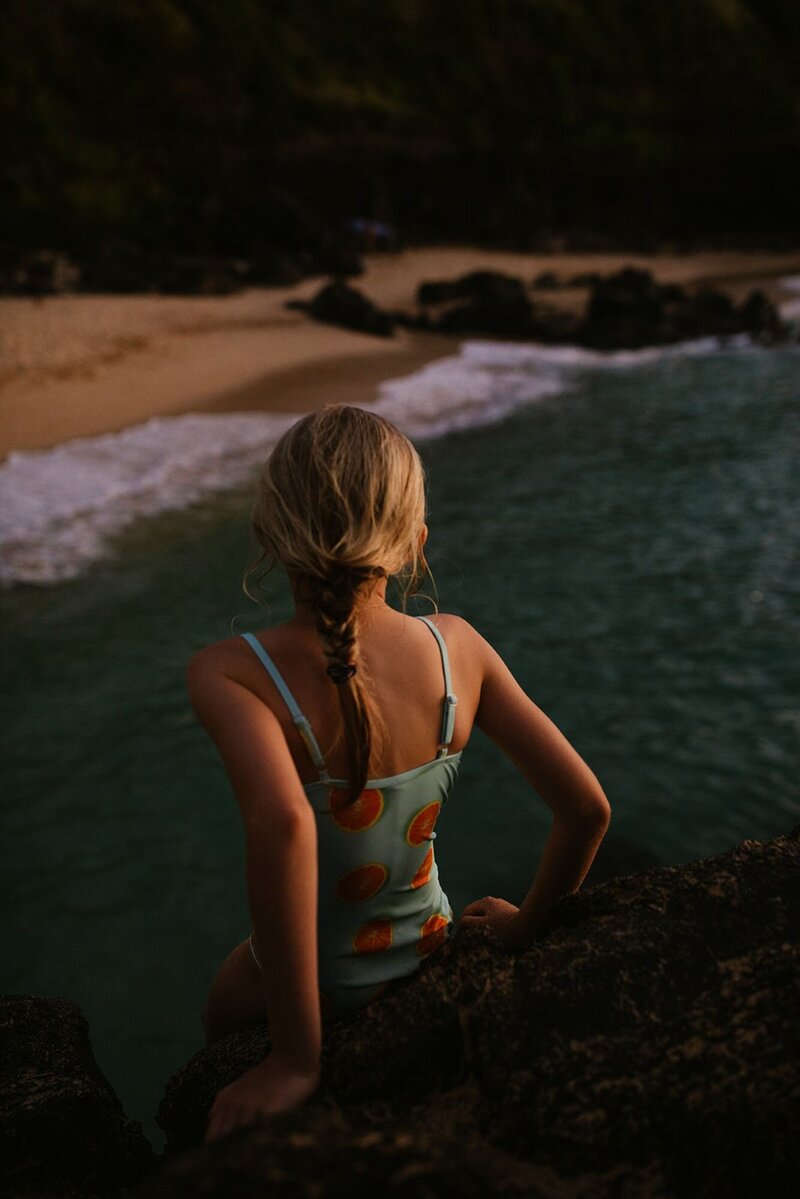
(222, 1120)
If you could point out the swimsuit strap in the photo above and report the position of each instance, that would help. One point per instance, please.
(301, 723)
(450, 701)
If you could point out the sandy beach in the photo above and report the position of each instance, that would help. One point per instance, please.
(77, 365)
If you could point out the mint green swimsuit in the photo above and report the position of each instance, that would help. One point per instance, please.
(381, 908)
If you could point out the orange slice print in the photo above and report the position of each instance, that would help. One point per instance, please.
(421, 825)
(424, 873)
(360, 814)
(432, 934)
(373, 937)
(361, 883)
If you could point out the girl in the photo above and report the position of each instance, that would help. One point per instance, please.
(341, 731)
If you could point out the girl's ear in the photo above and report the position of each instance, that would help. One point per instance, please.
(423, 537)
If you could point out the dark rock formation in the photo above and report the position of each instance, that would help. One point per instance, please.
(339, 304)
(338, 1161)
(480, 287)
(761, 318)
(495, 304)
(646, 1045)
(62, 1129)
(627, 309)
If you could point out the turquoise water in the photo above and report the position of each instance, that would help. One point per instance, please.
(629, 545)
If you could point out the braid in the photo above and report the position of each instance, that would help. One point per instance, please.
(341, 501)
(333, 603)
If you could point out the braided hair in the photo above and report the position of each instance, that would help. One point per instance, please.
(341, 504)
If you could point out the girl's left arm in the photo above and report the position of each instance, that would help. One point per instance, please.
(281, 863)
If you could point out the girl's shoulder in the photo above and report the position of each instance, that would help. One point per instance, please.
(229, 656)
(459, 632)
(469, 652)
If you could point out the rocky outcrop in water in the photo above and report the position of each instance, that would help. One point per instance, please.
(63, 1132)
(628, 309)
(646, 1045)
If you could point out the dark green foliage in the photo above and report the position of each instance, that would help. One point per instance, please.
(169, 122)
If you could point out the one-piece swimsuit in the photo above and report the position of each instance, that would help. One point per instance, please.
(381, 908)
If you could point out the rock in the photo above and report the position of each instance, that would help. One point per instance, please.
(645, 1045)
(62, 1129)
(410, 320)
(629, 309)
(623, 309)
(439, 291)
(501, 317)
(496, 304)
(316, 1153)
(555, 326)
(713, 314)
(761, 319)
(481, 287)
(546, 281)
(339, 304)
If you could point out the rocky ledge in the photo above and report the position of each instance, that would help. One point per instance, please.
(646, 1046)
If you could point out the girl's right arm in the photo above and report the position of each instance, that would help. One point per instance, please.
(281, 863)
(581, 811)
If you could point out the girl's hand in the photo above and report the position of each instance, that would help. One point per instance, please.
(499, 916)
(269, 1088)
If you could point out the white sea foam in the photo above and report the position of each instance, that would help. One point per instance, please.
(790, 309)
(60, 508)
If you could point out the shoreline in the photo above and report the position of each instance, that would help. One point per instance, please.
(80, 365)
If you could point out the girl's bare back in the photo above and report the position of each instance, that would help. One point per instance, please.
(403, 665)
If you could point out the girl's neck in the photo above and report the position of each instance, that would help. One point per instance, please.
(370, 601)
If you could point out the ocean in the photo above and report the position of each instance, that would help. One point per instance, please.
(622, 527)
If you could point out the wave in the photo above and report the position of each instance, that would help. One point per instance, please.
(487, 380)
(61, 508)
(790, 309)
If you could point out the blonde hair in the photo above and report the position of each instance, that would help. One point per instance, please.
(340, 503)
